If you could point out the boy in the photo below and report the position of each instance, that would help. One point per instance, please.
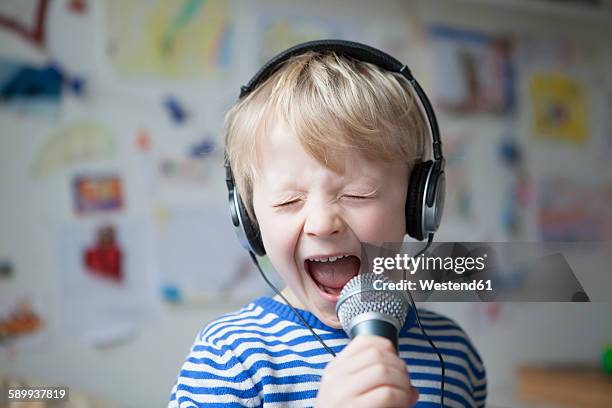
(321, 152)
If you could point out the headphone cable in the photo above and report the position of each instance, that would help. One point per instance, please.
(418, 319)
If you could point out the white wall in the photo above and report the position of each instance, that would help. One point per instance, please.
(141, 372)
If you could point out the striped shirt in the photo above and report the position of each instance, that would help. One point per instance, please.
(262, 355)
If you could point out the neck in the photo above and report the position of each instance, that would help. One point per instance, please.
(288, 294)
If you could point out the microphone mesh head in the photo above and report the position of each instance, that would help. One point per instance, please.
(359, 296)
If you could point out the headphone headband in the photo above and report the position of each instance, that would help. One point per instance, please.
(360, 52)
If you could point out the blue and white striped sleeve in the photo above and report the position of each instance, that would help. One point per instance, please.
(213, 376)
(477, 371)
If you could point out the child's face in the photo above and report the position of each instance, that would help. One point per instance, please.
(324, 214)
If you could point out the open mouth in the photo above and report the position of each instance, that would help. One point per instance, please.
(331, 274)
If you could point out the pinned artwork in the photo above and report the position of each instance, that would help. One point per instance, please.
(104, 257)
(77, 143)
(184, 170)
(77, 6)
(459, 195)
(30, 90)
(143, 141)
(176, 39)
(176, 110)
(105, 279)
(97, 193)
(25, 18)
(559, 108)
(203, 148)
(518, 194)
(20, 318)
(571, 211)
(473, 71)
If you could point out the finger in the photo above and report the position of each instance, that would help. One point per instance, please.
(367, 358)
(373, 357)
(365, 342)
(414, 394)
(379, 375)
(370, 348)
(383, 397)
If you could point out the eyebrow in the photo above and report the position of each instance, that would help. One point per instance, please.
(290, 185)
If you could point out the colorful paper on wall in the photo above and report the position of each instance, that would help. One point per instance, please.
(174, 39)
(473, 71)
(571, 211)
(29, 89)
(106, 282)
(459, 195)
(77, 143)
(559, 108)
(26, 18)
(21, 318)
(97, 193)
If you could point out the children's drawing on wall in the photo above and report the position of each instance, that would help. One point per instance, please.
(519, 191)
(74, 144)
(548, 53)
(571, 211)
(458, 207)
(200, 257)
(97, 193)
(25, 18)
(558, 108)
(107, 279)
(30, 90)
(104, 257)
(23, 322)
(177, 39)
(473, 71)
(280, 29)
(188, 172)
(18, 320)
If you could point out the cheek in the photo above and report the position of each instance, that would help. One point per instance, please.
(383, 223)
(279, 237)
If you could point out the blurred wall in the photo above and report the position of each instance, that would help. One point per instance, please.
(138, 367)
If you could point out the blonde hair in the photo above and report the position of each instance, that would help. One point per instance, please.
(334, 104)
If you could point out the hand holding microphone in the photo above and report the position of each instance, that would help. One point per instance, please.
(368, 372)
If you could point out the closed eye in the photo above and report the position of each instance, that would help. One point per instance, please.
(286, 203)
(359, 197)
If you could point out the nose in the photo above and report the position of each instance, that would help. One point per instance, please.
(322, 220)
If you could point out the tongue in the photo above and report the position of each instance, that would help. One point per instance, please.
(335, 274)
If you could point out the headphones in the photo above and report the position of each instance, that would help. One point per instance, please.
(425, 198)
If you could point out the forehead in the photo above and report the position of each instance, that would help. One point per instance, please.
(282, 157)
(281, 148)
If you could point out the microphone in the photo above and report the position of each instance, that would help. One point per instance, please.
(362, 309)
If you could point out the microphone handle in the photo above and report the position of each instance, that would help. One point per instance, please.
(376, 327)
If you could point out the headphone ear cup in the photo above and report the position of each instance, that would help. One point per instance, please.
(414, 199)
(251, 231)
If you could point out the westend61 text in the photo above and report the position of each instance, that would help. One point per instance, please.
(427, 285)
